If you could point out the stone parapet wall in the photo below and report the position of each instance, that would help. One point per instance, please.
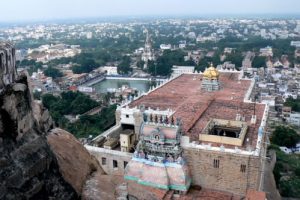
(110, 156)
(223, 171)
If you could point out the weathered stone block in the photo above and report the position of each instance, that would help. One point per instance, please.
(16, 180)
(19, 87)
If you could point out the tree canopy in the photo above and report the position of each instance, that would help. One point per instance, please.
(235, 58)
(285, 136)
(86, 65)
(124, 66)
(53, 72)
(293, 103)
(68, 103)
(205, 62)
(95, 124)
(259, 61)
(78, 103)
(163, 65)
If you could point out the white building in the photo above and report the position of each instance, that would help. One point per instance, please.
(263, 33)
(228, 50)
(203, 39)
(178, 70)
(294, 119)
(295, 43)
(285, 150)
(85, 89)
(182, 44)
(165, 46)
(89, 35)
(110, 70)
(226, 66)
(267, 51)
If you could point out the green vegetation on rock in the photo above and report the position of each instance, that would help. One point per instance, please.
(68, 103)
(93, 124)
(75, 103)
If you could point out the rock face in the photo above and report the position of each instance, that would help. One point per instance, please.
(105, 187)
(28, 168)
(32, 167)
(7, 64)
(72, 158)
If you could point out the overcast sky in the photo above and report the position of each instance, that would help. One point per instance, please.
(23, 10)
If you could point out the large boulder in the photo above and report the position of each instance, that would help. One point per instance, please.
(75, 163)
(105, 187)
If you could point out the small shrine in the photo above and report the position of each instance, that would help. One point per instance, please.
(210, 81)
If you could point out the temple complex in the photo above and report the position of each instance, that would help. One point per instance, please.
(194, 130)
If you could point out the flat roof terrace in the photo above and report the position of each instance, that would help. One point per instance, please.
(195, 107)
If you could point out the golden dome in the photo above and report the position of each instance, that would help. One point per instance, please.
(211, 73)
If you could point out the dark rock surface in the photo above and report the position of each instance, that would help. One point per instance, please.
(30, 166)
(7, 64)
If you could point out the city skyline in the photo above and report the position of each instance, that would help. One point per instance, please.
(33, 10)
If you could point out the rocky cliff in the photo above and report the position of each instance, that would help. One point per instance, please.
(37, 161)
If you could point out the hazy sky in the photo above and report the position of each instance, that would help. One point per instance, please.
(22, 10)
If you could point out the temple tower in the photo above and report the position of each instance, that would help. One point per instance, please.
(147, 54)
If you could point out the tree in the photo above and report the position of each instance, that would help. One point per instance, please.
(26, 62)
(53, 72)
(85, 65)
(124, 66)
(202, 65)
(69, 103)
(235, 58)
(259, 61)
(81, 104)
(95, 124)
(140, 64)
(293, 103)
(285, 136)
(48, 100)
(164, 63)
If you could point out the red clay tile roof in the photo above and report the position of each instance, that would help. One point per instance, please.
(195, 107)
(143, 192)
(207, 194)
